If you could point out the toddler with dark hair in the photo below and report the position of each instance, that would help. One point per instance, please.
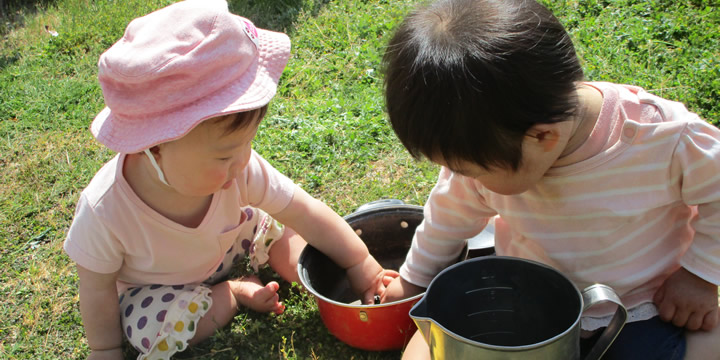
(605, 182)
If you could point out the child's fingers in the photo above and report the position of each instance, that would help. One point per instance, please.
(391, 273)
(666, 311)
(681, 317)
(389, 276)
(711, 320)
(695, 321)
(369, 298)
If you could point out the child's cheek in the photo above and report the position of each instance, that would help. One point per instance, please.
(220, 177)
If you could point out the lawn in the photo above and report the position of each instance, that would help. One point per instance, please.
(326, 129)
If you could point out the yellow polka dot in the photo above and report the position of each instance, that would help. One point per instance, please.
(179, 326)
(193, 307)
(163, 346)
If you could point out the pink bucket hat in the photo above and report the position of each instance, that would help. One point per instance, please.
(180, 65)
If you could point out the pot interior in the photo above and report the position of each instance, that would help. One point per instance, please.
(387, 232)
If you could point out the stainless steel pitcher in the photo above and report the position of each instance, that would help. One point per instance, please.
(496, 307)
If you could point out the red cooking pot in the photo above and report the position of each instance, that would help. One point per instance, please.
(387, 228)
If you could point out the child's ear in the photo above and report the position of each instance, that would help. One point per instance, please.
(547, 136)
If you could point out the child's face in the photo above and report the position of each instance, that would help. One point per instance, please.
(537, 158)
(208, 158)
(498, 180)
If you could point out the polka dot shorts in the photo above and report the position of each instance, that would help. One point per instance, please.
(159, 320)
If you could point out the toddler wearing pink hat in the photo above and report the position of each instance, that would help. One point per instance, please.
(160, 225)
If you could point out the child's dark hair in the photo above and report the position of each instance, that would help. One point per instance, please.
(236, 121)
(466, 79)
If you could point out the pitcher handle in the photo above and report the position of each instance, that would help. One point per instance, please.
(595, 294)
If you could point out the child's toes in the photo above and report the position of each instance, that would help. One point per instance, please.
(271, 303)
(266, 298)
(279, 308)
(273, 286)
(268, 291)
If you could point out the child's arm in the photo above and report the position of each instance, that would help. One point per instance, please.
(688, 301)
(324, 229)
(100, 313)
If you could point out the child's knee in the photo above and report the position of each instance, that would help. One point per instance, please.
(703, 345)
(417, 348)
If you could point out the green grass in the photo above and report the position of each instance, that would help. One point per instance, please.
(326, 129)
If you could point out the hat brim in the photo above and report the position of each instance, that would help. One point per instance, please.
(252, 90)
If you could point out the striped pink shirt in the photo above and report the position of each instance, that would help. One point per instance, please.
(640, 199)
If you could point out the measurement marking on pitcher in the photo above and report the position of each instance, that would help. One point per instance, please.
(488, 288)
(490, 311)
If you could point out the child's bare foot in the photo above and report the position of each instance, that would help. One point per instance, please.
(250, 292)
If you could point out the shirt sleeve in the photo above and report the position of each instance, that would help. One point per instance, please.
(455, 211)
(90, 243)
(697, 157)
(264, 187)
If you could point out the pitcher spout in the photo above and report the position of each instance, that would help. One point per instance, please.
(420, 316)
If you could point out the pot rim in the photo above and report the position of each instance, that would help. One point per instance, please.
(379, 206)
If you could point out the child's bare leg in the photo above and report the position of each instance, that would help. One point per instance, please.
(703, 345)
(284, 255)
(227, 296)
(416, 348)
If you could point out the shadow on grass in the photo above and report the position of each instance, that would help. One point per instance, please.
(6, 60)
(12, 12)
(276, 15)
(12, 16)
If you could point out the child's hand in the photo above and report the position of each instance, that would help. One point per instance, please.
(688, 301)
(368, 278)
(400, 289)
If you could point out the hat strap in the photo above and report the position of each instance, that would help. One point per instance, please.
(156, 166)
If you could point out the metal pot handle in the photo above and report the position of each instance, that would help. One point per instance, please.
(595, 294)
(379, 203)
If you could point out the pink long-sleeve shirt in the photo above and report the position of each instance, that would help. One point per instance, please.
(640, 199)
